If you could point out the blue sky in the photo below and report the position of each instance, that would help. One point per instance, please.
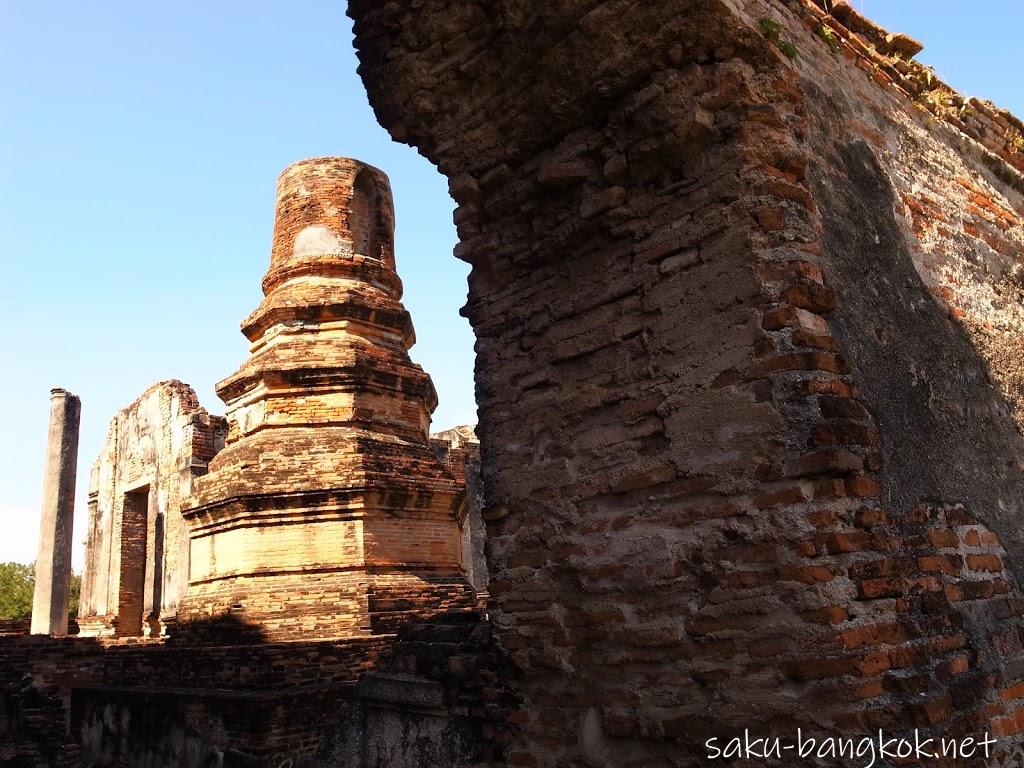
(139, 147)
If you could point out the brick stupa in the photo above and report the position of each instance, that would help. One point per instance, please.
(327, 513)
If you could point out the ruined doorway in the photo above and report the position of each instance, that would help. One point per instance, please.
(132, 590)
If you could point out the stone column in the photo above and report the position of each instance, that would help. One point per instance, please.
(53, 561)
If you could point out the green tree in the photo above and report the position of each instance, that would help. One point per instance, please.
(17, 580)
(16, 583)
(74, 593)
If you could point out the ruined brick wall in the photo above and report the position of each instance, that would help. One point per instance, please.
(154, 449)
(745, 288)
(435, 698)
(459, 449)
(921, 233)
(67, 703)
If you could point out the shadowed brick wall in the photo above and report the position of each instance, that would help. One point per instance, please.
(746, 290)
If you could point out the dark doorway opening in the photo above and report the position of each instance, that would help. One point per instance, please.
(132, 590)
(155, 577)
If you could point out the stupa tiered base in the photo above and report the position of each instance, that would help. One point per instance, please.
(327, 513)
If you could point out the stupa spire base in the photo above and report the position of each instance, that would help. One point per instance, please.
(328, 513)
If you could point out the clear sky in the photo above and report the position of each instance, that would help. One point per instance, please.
(139, 147)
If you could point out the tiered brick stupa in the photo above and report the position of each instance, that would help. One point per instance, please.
(327, 513)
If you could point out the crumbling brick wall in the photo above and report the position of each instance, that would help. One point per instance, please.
(71, 702)
(745, 288)
(459, 449)
(155, 447)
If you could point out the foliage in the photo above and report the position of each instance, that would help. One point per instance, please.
(16, 583)
(773, 31)
(1015, 139)
(830, 38)
(17, 580)
(943, 103)
(770, 27)
(74, 593)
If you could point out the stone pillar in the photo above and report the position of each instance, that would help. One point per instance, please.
(53, 561)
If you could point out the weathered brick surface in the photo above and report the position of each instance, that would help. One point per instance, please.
(746, 292)
(136, 564)
(733, 308)
(89, 701)
(459, 449)
(328, 522)
(454, 655)
(328, 513)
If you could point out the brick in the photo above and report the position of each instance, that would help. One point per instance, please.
(807, 574)
(788, 316)
(988, 563)
(771, 218)
(939, 563)
(874, 634)
(829, 461)
(833, 614)
(788, 270)
(810, 296)
(802, 338)
(844, 433)
(873, 589)
(842, 408)
(863, 486)
(796, 361)
(564, 174)
(867, 518)
(789, 494)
